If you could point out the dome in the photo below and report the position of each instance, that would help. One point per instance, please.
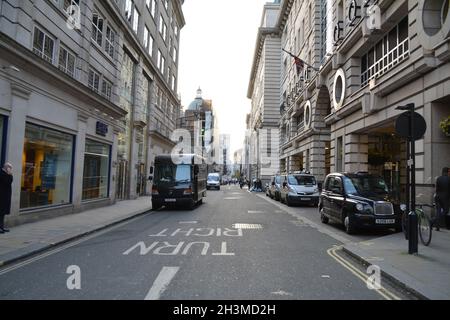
(198, 104)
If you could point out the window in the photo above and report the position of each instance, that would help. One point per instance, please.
(173, 82)
(109, 43)
(146, 35)
(66, 61)
(135, 20)
(151, 5)
(162, 28)
(175, 52)
(323, 29)
(161, 62)
(68, 3)
(47, 167)
(107, 89)
(386, 54)
(97, 29)
(175, 30)
(150, 45)
(339, 154)
(96, 170)
(128, 10)
(166, 4)
(94, 80)
(43, 45)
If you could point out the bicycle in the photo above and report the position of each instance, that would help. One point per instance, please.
(425, 226)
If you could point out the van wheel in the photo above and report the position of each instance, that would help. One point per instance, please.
(323, 217)
(349, 225)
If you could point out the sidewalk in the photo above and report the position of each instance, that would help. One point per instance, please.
(32, 238)
(427, 274)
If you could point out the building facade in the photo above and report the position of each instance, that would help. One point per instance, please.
(78, 81)
(366, 61)
(264, 92)
(200, 120)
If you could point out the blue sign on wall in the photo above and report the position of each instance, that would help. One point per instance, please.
(49, 172)
(101, 129)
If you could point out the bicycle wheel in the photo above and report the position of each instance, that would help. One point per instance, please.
(425, 229)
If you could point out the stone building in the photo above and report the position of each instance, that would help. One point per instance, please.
(264, 92)
(80, 82)
(340, 115)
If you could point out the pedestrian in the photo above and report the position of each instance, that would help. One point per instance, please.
(442, 197)
(6, 179)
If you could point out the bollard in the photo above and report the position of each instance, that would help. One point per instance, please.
(413, 236)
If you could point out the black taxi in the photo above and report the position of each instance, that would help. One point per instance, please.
(358, 200)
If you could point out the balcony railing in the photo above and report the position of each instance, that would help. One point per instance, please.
(42, 55)
(386, 62)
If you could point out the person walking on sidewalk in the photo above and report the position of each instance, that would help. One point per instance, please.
(6, 179)
(442, 197)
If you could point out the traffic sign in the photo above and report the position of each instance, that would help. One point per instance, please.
(402, 125)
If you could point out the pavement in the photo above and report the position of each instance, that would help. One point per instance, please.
(32, 238)
(426, 274)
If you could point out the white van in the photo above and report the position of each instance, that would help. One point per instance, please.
(213, 181)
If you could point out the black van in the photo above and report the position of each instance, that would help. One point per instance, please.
(182, 182)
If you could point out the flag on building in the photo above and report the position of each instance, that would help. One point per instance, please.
(299, 65)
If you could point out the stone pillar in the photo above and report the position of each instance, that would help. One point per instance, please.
(113, 175)
(317, 159)
(20, 96)
(78, 170)
(356, 153)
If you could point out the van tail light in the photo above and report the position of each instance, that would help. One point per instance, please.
(155, 191)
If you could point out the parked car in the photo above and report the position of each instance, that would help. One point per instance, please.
(274, 187)
(213, 181)
(358, 200)
(299, 188)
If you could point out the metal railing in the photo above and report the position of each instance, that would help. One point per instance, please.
(386, 62)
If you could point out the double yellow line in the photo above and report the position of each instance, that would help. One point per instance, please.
(385, 293)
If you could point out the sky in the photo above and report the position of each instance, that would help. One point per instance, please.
(216, 53)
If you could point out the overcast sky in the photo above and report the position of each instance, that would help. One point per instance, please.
(216, 53)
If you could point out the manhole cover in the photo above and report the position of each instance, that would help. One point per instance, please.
(247, 226)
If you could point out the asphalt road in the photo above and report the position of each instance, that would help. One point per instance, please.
(198, 254)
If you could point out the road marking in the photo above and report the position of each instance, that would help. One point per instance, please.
(64, 247)
(188, 222)
(385, 293)
(255, 211)
(296, 215)
(161, 282)
(232, 198)
(281, 293)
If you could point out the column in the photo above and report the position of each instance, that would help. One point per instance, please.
(20, 96)
(78, 170)
(356, 152)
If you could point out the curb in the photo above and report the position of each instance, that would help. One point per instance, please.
(391, 278)
(70, 238)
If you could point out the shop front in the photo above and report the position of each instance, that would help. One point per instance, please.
(47, 168)
(97, 159)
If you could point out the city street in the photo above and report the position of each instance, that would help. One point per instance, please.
(204, 254)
